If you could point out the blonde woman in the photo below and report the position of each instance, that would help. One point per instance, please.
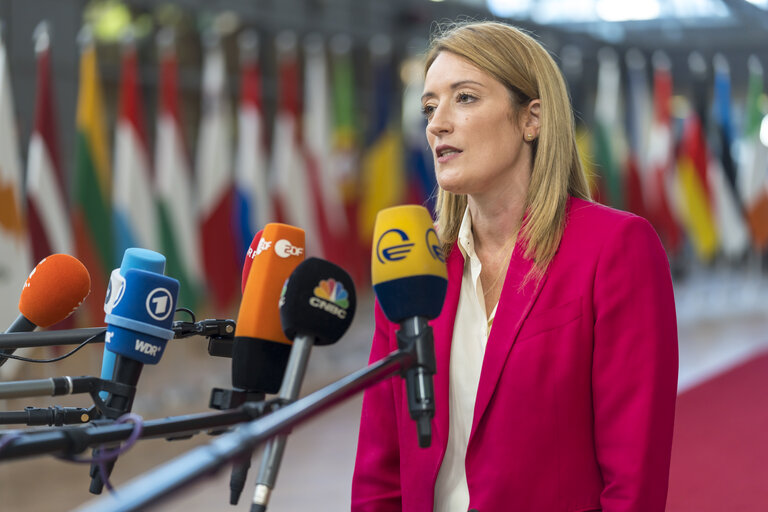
(556, 347)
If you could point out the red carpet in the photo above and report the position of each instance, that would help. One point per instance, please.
(720, 447)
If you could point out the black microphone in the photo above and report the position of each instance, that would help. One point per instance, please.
(410, 280)
(316, 308)
(138, 328)
(54, 289)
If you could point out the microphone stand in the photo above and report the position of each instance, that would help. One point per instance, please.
(50, 416)
(56, 386)
(51, 338)
(74, 440)
(205, 460)
(220, 333)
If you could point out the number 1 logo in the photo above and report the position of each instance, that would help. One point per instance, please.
(159, 304)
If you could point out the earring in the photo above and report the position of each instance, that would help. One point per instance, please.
(529, 136)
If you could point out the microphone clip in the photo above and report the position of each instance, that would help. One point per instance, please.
(220, 334)
(113, 388)
(415, 338)
(223, 399)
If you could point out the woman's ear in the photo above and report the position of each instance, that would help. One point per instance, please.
(532, 119)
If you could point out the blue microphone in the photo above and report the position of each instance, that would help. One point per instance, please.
(142, 307)
(137, 258)
(141, 319)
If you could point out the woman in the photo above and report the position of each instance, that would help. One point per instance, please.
(556, 347)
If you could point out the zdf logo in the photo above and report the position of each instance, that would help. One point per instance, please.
(284, 249)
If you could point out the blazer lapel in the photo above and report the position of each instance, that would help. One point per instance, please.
(442, 328)
(514, 305)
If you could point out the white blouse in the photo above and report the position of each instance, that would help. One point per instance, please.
(470, 335)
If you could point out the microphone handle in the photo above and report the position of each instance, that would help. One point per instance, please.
(273, 452)
(21, 324)
(415, 336)
(127, 371)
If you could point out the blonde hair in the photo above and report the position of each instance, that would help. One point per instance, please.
(525, 68)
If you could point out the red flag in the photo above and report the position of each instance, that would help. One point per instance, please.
(215, 183)
(295, 177)
(662, 162)
(49, 226)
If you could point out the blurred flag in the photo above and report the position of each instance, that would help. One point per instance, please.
(383, 177)
(608, 136)
(215, 184)
(754, 169)
(572, 59)
(345, 156)
(15, 261)
(731, 225)
(663, 197)
(295, 203)
(48, 219)
(639, 112)
(420, 167)
(318, 144)
(253, 204)
(692, 168)
(92, 213)
(133, 196)
(179, 233)
(584, 145)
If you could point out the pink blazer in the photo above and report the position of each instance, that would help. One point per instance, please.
(576, 399)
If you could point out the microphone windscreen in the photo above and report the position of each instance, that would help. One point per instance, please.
(140, 323)
(143, 259)
(408, 265)
(261, 349)
(249, 259)
(54, 289)
(318, 300)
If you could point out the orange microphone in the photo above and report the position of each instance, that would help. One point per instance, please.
(53, 291)
(261, 349)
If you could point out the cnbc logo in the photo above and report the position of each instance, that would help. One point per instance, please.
(330, 296)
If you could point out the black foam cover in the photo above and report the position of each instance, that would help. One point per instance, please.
(259, 365)
(318, 300)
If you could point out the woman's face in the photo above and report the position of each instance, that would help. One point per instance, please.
(476, 138)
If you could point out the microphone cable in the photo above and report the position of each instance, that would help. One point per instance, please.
(107, 455)
(53, 360)
(104, 455)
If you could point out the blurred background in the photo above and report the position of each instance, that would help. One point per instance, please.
(185, 126)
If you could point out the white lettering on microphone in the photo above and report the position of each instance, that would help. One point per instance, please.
(331, 308)
(147, 348)
(263, 245)
(284, 249)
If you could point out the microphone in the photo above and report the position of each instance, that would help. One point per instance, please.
(138, 328)
(261, 350)
(249, 259)
(54, 289)
(316, 307)
(410, 281)
(133, 257)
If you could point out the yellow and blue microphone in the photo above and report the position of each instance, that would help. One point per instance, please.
(410, 280)
(408, 266)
